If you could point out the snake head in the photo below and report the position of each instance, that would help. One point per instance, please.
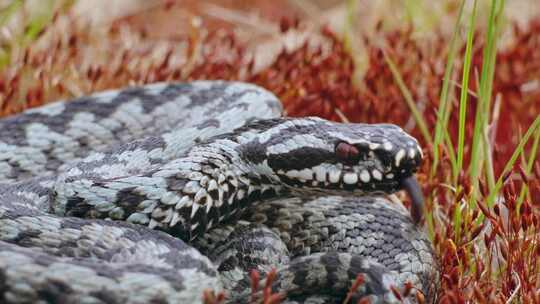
(316, 155)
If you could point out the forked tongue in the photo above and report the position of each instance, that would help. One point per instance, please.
(413, 189)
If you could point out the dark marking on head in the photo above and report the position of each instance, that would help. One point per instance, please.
(300, 158)
(254, 152)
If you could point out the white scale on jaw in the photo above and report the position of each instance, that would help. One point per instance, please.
(334, 176)
(364, 176)
(350, 178)
(412, 153)
(387, 146)
(399, 156)
(299, 174)
(320, 174)
(377, 174)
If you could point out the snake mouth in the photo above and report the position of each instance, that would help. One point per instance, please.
(341, 181)
(411, 186)
(364, 181)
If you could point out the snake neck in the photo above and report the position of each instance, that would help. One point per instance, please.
(217, 186)
(184, 197)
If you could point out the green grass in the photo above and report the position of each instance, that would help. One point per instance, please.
(443, 114)
(480, 144)
(463, 101)
(529, 165)
(420, 121)
(463, 182)
(533, 129)
(463, 113)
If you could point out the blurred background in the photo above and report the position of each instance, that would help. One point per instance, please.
(355, 60)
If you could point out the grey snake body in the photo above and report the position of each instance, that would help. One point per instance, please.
(157, 193)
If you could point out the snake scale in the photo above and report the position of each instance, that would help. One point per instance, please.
(156, 193)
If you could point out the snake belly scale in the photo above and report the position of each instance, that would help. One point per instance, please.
(156, 193)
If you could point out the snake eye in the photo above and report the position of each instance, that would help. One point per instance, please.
(347, 152)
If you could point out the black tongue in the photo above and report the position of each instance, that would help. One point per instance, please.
(411, 186)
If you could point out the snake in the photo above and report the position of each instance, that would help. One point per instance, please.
(160, 193)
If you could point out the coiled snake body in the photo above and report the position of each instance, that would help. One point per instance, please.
(157, 193)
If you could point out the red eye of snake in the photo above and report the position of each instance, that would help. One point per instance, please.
(347, 152)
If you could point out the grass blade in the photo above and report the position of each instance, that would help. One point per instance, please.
(528, 169)
(443, 113)
(422, 125)
(479, 146)
(464, 88)
(535, 127)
